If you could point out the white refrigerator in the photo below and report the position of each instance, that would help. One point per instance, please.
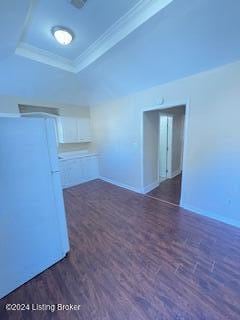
(33, 230)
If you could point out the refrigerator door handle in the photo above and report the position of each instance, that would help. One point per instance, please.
(57, 171)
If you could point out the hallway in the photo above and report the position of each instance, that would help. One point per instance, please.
(169, 190)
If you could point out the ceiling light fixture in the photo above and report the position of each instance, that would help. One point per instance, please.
(62, 35)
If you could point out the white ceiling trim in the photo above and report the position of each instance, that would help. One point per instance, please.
(34, 53)
(129, 22)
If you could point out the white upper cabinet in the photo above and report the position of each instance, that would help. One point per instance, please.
(74, 130)
(83, 127)
(67, 130)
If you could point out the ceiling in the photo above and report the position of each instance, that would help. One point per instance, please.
(88, 23)
(97, 27)
(184, 38)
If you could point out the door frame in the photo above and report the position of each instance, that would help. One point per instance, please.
(160, 107)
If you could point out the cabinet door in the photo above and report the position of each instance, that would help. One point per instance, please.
(76, 171)
(90, 168)
(68, 130)
(64, 173)
(72, 172)
(84, 132)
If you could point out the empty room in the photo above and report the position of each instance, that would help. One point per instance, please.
(119, 160)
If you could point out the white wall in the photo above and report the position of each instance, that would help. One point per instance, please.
(117, 143)
(211, 183)
(151, 143)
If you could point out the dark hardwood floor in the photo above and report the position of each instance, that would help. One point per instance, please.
(169, 190)
(135, 258)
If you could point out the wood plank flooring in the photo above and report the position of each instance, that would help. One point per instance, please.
(169, 190)
(136, 258)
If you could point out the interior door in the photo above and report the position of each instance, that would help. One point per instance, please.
(163, 146)
(165, 141)
(30, 240)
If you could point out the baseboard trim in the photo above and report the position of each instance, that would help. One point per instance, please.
(79, 183)
(119, 184)
(211, 215)
(150, 187)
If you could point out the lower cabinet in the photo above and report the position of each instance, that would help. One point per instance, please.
(78, 170)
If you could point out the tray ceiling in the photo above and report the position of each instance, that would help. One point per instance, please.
(185, 38)
(97, 27)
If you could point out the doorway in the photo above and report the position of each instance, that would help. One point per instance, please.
(164, 132)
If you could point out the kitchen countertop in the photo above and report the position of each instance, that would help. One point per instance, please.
(74, 155)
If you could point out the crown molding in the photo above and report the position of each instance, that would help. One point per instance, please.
(129, 22)
(34, 53)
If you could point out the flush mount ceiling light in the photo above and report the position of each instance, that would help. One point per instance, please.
(62, 35)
